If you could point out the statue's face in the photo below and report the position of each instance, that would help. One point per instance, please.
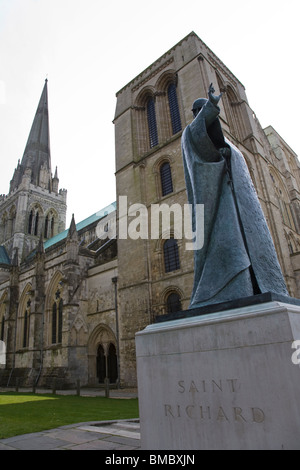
(198, 105)
(196, 111)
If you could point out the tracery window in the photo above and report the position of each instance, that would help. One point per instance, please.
(49, 226)
(33, 222)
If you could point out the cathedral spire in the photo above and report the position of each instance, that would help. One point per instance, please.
(36, 159)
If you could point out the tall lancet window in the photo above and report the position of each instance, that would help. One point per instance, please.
(57, 318)
(46, 227)
(174, 109)
(36, 224)
(33, 222)
(52, 227)
(152, 126)
(49, 225)
(26, 325)
(30, 222)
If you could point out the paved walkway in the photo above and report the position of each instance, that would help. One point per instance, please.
(105, 435)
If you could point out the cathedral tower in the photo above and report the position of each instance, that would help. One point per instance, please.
(34, 207)
(155, 273)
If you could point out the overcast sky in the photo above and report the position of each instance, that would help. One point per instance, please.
(90, 49)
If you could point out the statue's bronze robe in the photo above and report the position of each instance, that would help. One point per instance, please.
(238, 258)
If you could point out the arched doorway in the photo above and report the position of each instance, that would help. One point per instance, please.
(106, 364)
(102, 356)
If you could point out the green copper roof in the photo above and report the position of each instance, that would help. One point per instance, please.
(4, 258)
(84, 223)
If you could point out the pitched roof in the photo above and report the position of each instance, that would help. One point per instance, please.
(81, 225)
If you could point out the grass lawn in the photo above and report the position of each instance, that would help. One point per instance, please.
(22, 413)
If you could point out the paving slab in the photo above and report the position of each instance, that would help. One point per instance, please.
(112, 430)
(75, 435)
(38, 443)
(6, 447)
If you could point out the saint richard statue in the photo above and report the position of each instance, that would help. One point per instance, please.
(238, 258)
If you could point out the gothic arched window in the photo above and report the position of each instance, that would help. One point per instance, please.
(49, 225)
(57, 319)
(60, 321)
(33, 222)
(174, 109)
(25, 329)
(152, 126)
(46, 227)
(52, 228)
(171, 255)
(54, 322)
(30, 222)
(26, 325)
(36, 224)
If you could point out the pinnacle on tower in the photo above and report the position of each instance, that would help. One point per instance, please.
(72, 234)
(55, 182)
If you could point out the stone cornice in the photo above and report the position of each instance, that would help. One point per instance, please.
(152, 74)
(155, 64)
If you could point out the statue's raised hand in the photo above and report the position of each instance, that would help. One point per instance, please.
(212, 98)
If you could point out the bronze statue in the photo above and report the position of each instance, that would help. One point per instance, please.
(238, 258)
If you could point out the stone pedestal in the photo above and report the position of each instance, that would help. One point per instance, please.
(221, 381)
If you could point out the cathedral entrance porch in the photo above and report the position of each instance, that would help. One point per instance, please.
(102, 356)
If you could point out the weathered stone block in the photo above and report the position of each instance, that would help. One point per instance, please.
(222, 381)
